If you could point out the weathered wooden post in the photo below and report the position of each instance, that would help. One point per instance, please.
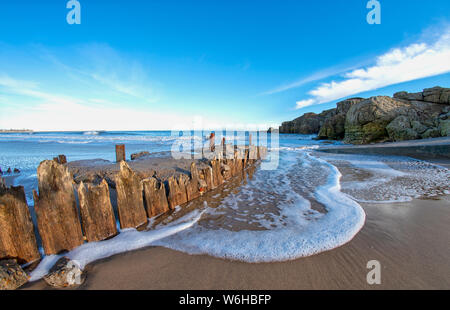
(177, 191)
(61, 159)
(130, 201)
(192, 188)
(155, 197)
(207, 174)
(212, 142)
(120, 153)
(217, 172)
(249, 139)
(97, 215)
(17, 239)
(56, 209)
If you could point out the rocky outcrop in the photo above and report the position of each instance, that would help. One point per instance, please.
(309, 123)
(406, 116)
(333, 127)
(12, 275)
(17, 239)
(65, 274)
(56, 209)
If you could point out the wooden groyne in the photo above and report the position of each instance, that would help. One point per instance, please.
(73, 207)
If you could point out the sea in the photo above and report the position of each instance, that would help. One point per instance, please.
(270, 218)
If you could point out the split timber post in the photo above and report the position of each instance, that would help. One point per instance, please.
(17, 239)
(120, 152)
(212, 142)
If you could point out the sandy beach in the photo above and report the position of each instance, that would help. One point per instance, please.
(409, 239)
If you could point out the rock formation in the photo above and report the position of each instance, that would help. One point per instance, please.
(360, 121)
(309, 123)
(130, 203)
(65, 274)
(97, 215)
(17, 239)
(404, 117)
(56, 209)
(333, 127)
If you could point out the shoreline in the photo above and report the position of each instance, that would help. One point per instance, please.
(434, 150)
(406, 238)
(410, 239)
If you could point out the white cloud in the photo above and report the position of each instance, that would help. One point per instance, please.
(413, 62)
(304, 103)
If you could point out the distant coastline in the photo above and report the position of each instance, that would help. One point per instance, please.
(16, 131)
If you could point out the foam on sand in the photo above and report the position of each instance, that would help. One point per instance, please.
(291, 231)
(127, 240)
(384, 179)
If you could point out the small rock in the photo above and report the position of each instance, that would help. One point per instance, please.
(12, 275)
(65, 273)
(139, 155)
(16, 170)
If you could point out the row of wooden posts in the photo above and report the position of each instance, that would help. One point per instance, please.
(62, 226)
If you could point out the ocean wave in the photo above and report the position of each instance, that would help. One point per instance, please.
(294, 230)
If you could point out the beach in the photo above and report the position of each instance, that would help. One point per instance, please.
(410, 240)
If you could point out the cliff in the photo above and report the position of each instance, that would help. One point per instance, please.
(405, 116)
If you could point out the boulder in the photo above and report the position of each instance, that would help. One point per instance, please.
(17, 238)
(12, 275)
(437, 95)
(400, 129)
(135, 156)
(408, 96)
(366, 121)
(444, 128)
(333, 127)
(65, 274)
(56, 209)
(130, 201)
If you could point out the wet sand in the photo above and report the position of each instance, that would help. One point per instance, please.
(410, 240)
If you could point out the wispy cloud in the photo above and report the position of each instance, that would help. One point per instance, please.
(31, 89)
(317, 76)
(415, 61)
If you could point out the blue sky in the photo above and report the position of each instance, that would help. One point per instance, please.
(171, 64)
